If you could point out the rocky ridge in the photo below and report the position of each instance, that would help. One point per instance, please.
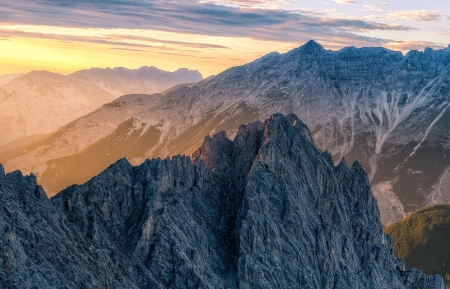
(267, 210)
(387, 110)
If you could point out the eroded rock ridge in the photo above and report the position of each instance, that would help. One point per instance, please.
(267, 210)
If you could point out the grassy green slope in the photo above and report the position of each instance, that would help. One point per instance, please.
(423, 239)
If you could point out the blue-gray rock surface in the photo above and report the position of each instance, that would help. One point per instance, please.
(267, 210)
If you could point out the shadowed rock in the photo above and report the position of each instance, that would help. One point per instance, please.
(267, 210)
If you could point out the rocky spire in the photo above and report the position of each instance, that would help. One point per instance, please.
(267, 210)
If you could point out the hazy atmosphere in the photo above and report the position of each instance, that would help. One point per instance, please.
(64, 36)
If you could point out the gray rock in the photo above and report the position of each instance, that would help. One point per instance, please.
(267, 210)
(41, 248)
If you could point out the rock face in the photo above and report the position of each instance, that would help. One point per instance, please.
(267, 210)
(387, 110)
(40, 102)
(41, 248)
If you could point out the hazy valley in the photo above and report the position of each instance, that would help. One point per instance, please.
(39, 102)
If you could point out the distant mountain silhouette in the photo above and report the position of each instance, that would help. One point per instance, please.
(39, 102)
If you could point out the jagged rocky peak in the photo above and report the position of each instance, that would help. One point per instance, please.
(266, 210)
(40, 248)
(312, 45)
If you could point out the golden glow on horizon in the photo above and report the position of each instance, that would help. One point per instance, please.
(65, 50)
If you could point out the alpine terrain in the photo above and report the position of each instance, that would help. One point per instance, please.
(387, 110)
(267, 210)
(35, 104)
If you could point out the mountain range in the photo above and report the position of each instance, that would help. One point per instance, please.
(385, 109)
(37, 103)
(266, 210)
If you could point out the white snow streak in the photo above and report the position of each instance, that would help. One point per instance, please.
(399, 117)
(427, 132)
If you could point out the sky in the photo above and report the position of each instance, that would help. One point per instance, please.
(210, 36)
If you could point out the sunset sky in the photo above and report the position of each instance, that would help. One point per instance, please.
(65, 35)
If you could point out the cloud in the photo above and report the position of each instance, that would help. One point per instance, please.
(128, 49)
(412, 45)
(6, 33)
(306, 11)
(262, 4)
(345, 1)
(415, 15)
(190, 17)
(116, 40)
(155, 40)
(375, 7)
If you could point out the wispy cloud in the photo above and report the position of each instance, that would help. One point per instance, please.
(415, 15)
(412, 45)
(156, 40)
(262, 4)
(375, 6)
(306, 11)
(345, 2)
(190, 17)
(67, 38)
(96, 36)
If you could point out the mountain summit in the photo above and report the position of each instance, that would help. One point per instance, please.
(267, 210)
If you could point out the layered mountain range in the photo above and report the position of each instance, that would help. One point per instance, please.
(385, 109)
(37, 103)
(267, 210)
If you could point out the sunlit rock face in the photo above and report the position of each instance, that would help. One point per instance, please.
(266, 210)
